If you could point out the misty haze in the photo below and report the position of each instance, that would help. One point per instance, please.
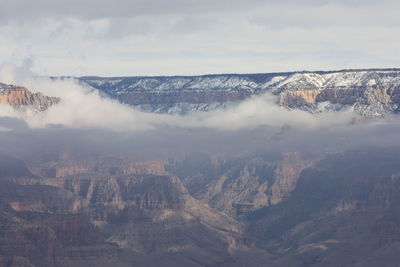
(199, 133)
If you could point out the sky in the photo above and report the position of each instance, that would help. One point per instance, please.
(187, 37)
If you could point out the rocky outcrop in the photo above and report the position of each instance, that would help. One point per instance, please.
(22, 99)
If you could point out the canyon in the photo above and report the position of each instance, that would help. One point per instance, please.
(265, 209)
(88, 218)
(277, 197)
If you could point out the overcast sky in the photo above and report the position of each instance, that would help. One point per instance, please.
(183, 37)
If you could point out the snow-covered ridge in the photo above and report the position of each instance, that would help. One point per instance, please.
(171, 94)
(161, 84)
(248, 82)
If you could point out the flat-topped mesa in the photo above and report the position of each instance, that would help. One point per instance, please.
(370, 93)
(21, 98)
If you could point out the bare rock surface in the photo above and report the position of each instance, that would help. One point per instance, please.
(22, 99)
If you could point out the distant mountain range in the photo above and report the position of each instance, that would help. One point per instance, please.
(371, 92)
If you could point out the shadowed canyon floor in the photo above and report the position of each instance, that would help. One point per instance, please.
(329, 211)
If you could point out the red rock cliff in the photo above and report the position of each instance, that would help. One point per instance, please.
(21, 98)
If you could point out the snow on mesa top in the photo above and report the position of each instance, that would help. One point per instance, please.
(375, 91)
